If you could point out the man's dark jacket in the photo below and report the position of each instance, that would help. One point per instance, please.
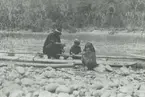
(50, 48)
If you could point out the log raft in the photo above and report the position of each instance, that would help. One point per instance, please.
(114, 61)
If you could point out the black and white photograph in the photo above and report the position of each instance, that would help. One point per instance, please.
(72, 48)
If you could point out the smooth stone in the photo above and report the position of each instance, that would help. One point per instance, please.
(49, 74)
(51, 87)
(82, 92)
(75, 93)
(27, 81)
(28, 95)
(63, 95)
(106, 94)
(17, 81)
(2, 94)
(16, 93)
(113, 84)
(45, 94)
(64, 89)
(124, 71)
(20, 70)
(97, 93)
(60, 81)
(35, 94)
(128, 96)
(97, 86)
(120, 95)
(126, 89)
(140, 93)
(142, 87)
(12, 75)
(11, 87)
(41, 81)
(75, 87)
(100, 68)
(108, 68)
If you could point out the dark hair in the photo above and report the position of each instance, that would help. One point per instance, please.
(89, 45)
(77, 42)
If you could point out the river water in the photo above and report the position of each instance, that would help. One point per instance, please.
(121, 44)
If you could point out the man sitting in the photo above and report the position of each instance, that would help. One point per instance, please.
(52, 45)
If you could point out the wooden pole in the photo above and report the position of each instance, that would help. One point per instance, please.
(37, 60)
(135, 57)
(68, 65)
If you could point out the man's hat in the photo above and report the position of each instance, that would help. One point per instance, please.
(58, 30)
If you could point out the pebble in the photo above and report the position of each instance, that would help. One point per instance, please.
(113, 95)
(41, 81)
(28, 71)
(97, 86)
(73, 96)
(60, 81)
(2, 94)
(51, 80)
(100, 68)
(142, 87)
(45, 94)
(75, 93)
(120, 95)
(51, 87)
(63, 95)
(124, 71)
(128, 96)
(27, 81)
(35, 94)
(97, 93)
(113, 84)
(64, 89)
(7, 83)
(28, 95)
(126, 89)
(16, 93)
(20, 70)
(139, 93)
(75, 87)
(12, 75)
(108, 68)
(106, 94)
(17, 81)
(49, 74)
(49, 69)
(82, 92)
(88, 94)
(11, 87)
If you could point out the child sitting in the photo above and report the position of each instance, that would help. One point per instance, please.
(89, 56)
(75, 49)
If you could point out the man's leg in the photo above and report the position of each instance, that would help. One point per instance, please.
(56, 56)
(76, 57)
(48, 56)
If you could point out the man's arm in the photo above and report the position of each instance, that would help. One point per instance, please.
(48, 39)
(80, 50)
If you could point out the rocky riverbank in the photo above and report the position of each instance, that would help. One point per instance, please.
(49, 82)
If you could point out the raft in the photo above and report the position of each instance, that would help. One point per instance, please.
(31, 59)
